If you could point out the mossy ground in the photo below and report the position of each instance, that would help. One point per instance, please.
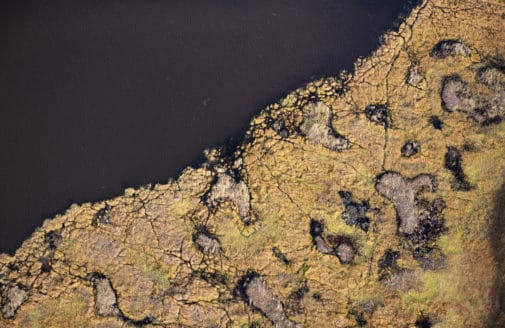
(157, 271)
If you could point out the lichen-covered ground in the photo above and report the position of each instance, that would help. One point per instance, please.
(372, 200)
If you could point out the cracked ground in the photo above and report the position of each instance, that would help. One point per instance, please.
(368, 200)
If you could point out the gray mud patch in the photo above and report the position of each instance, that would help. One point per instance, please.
(317, 127)
(226, 188)
(402, 192)
(105, 297)
(485, 108)
(106, 301)
(340, 246)
(254, 291)
(494, 78)
(456, 95)
(12, 298)
(420, 222)
(423, 241)
(206, 241)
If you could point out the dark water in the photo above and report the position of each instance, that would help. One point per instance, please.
(96, 96)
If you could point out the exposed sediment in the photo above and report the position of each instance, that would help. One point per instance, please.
(105, 297)
(12, 298)
(206, 241)
(486, 107)
(256, 292)
(227, 189)
(340, 246)
(403, 193)
(317, 127)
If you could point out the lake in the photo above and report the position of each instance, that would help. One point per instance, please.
(99, 96)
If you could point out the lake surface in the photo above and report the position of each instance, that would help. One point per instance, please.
(97, 96)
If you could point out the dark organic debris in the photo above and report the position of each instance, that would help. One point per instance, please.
(431, 226)
(13, 266)
(148, 320)
(52, 239)
(180, 286)
(312, 97)
(280, 128)
(45, 264)
(436, 122)
(316, 126)
(355, 212)
(379, 114)
(387, 264)
(212, 277)
(453, 162)
(299, 293)
(403, 193)
(446, 48)
(431, 221)
(280, 256)
(339, 246)
(429, 257)
(12, 298)
(254, 290)
(410, 148)
(284, 133)
(102, 216)
(482, 116)
(359, 316)
(226, 188)
(293, 302)
(206, 241)
(423, 322)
